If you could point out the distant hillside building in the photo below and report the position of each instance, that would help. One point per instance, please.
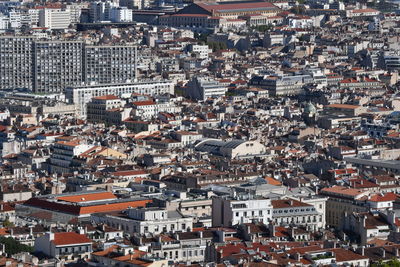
(231, 11)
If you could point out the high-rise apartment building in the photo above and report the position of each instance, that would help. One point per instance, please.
(100, 11)
(109, 64)
(16, 62)
(51, 66)
(57, 64)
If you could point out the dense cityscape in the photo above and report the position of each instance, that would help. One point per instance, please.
(155, 133)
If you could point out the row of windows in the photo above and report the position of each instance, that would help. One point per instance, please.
(293, 210)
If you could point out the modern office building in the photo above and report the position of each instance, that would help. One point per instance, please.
(110, 64)
(57, 64)
(54, 18)
(15, 58)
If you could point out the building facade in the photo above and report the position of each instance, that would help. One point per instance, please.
(110, 64)
(57, 64)
(15, 64)
(229, 212)
(81, 95)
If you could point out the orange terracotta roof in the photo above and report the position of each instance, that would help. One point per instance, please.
(88, 197)
(143, 103)
(4, 231)
(106, 97)
(272, 181)
(69, 238)
(114, 206)
(387, 197)
(344, 106)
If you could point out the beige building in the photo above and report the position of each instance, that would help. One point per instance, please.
(340, 200)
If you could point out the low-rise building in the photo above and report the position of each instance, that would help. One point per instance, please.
(68, 246)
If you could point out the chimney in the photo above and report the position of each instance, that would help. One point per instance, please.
(272, 230)
(201, 234)
(383, 253)
(362, 251)
(31, 230)
(51, 236)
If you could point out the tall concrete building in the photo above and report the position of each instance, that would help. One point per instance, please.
(100, 11)
(54, 18)
(109, 64)
(57, 64)
(15, 62)
(52, 66)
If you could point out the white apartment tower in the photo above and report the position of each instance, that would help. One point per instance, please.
(54, 18)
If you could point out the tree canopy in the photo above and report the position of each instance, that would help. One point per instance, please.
(391, 263)
(12, 246)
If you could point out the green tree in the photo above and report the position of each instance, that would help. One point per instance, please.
(7, 223)
(12, 246)
(392, 263)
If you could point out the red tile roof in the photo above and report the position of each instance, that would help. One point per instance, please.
(344, 106)
(69, 238)
(88, 197)
(287, 203)
(79, 210)
(387, 197)
(143, 103)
